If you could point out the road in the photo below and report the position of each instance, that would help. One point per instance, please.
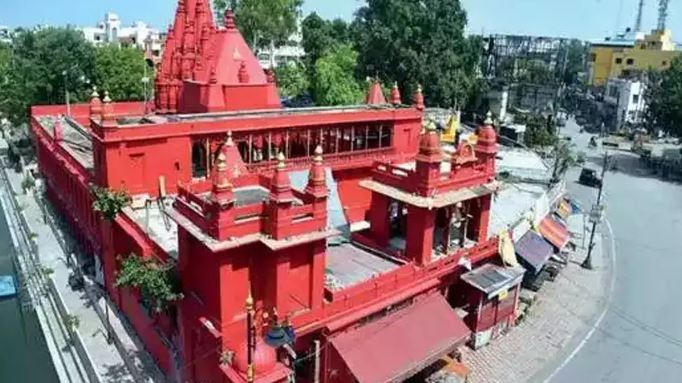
(640, 336)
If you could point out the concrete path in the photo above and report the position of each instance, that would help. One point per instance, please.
(121, 360)
(563, 309)
(640, 338)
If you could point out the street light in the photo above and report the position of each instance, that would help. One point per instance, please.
(596, 215)
(67, 97)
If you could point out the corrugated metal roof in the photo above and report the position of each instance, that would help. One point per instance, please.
(491, 278)
(533, 251)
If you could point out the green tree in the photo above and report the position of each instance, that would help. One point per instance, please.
(540, 130)
(157, 283)
(335, 83)
(319, 35)
(574, 55)
(265, 24)
(120, 71)
(109, 203)
(292, 80)
(44, 65)
(419, 42)
(664, 99)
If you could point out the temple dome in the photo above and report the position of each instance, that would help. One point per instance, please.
(264, 358)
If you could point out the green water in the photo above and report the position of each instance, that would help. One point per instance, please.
(23, 353)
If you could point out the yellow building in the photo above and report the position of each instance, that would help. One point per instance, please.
(630, 52)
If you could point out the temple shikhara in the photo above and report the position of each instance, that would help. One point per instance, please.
(329, 244)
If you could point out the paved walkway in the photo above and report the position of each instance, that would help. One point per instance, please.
(122, 360)
(563, 311)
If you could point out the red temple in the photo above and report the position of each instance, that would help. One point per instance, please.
(342, 231)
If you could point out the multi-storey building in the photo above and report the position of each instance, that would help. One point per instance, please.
(630, 53)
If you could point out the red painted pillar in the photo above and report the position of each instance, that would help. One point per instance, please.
(108, 254)
(282, 284)
(317, 275)
(419, 241)
(379, 219)
(484, 218)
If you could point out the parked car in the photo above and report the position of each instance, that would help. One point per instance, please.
(589, 177)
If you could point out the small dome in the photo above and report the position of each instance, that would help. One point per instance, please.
(429, 143)
(264, 358)
(486, 134)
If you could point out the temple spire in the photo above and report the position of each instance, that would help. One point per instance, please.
(418, 98)
(395, 94)
(317, 185)
(95, 103)
(375, 95)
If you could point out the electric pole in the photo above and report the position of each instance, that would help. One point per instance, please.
(596, 215)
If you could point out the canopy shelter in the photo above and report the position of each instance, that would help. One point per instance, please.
(533, 251)
(403, 343)
(554, 232)
(492, 280)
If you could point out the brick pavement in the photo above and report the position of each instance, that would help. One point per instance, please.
(563, 311)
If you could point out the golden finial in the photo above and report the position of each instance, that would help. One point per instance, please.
(229, 141)
(488, 118)
(249, 302)
(221, 162)
(317, 159)
(94, 92)
(250, 373)
(280, 161)
(430, 126)
(106, 97)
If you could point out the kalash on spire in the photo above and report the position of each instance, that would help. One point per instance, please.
(206, 68)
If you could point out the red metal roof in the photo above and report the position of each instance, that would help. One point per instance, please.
(397, 346)
(555, 232)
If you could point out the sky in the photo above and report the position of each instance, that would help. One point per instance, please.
(584, 19)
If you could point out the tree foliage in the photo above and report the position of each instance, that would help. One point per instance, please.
(540, 130)
(264, 24)
(157, 283)
(574, 55)
(319, 36)
(43, 65)
(419, 42)
(292, 80)
(120, 71)
(109, 202)
(664, 99)
(335, 82)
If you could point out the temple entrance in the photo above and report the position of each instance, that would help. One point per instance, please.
(199, 160)
(397, 220)
(451, 228)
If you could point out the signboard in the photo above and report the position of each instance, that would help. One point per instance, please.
(597, 214)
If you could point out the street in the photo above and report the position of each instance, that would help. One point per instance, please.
(639, 338)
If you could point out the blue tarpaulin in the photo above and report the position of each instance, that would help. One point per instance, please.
(7, 286)
(533, 251)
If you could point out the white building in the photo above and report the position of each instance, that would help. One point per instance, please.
(291, 52)
(5, 34)
(627, 96)
(111, 30)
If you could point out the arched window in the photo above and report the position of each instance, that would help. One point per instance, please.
(199, 165)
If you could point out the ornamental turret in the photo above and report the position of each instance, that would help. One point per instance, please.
(317, 185)
(418, 99)
(395, 95)
(108, 119)
(428, 161)
(95, 104)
